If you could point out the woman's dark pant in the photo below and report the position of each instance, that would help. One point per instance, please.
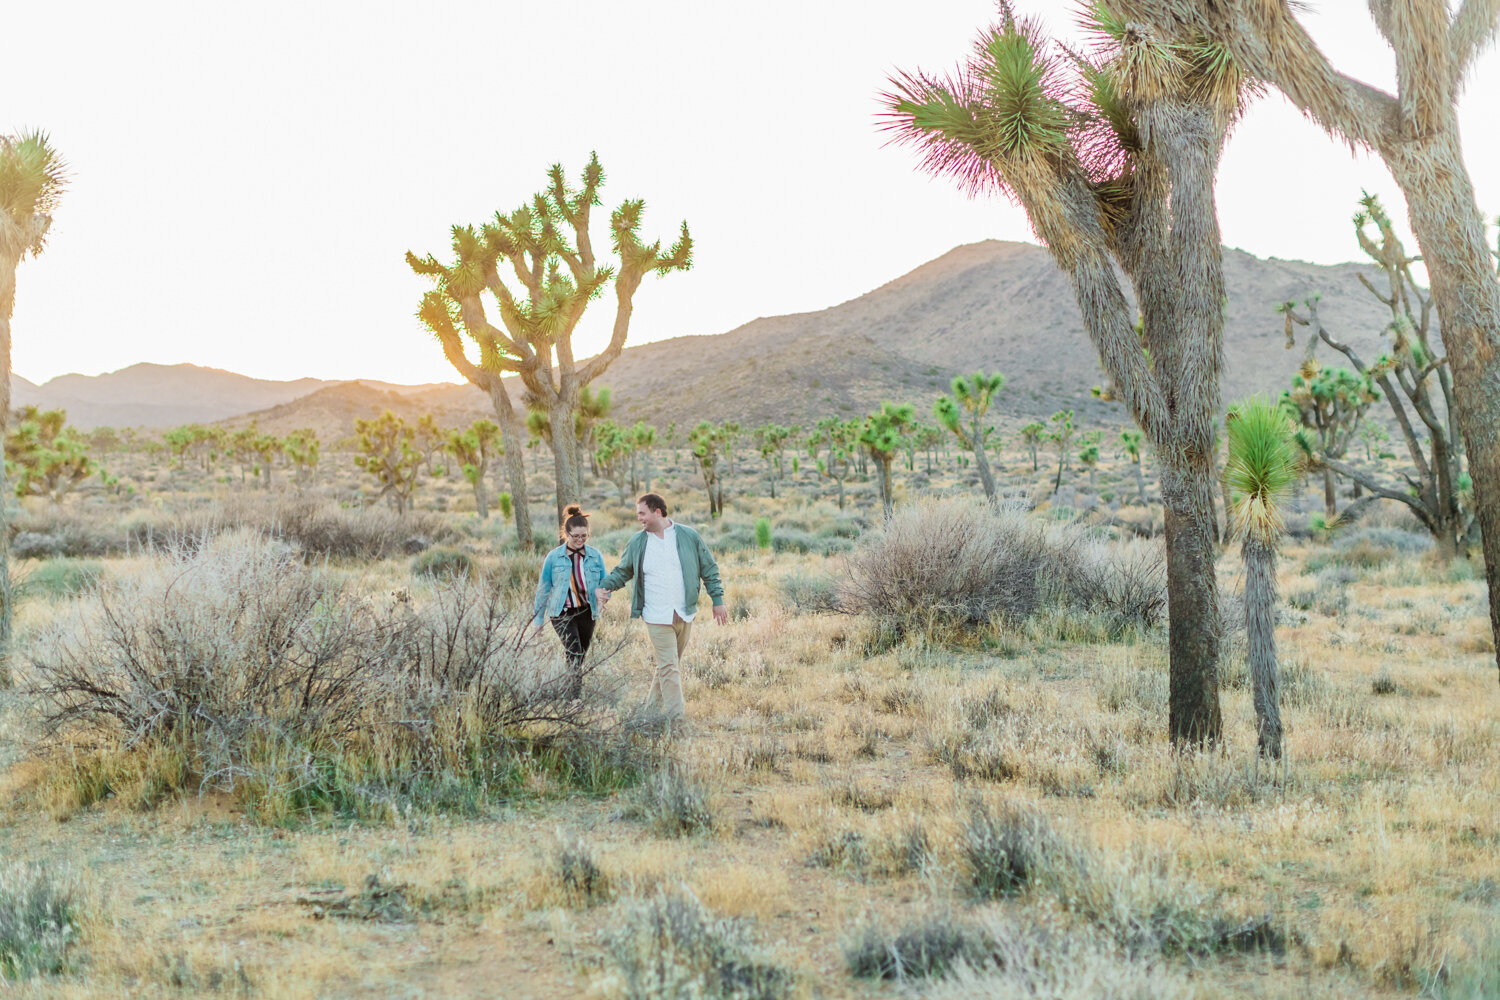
(575, 627)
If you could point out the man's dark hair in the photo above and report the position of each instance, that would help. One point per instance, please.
(653, 501)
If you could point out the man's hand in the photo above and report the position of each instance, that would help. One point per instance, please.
(721, 614)
(603, 596)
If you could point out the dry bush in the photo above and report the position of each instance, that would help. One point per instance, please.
(318, 527)
(38, 922)
(953, 561)
(931, 946)
(240, 667)
(671, 947)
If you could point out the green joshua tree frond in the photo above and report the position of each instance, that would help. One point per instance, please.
(1263, 467)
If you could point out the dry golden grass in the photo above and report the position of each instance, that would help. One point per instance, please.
(841, 777)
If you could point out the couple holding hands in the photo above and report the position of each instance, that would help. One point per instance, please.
(668, 562)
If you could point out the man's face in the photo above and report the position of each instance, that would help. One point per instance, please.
(648, 518)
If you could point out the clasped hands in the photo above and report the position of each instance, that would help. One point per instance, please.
(721, 613)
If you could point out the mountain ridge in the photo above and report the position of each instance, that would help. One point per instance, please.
(988, 305)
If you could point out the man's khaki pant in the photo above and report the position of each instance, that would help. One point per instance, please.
(669, 642)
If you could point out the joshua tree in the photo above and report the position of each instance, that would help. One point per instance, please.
(1414, 379)
(592, 408)
(1130, 448)
(548, 246)
(472, 449)
(32, 176)
(972, 395)
(387, 451)
(927, 438)
(266, 447)
(707, 444)
(1032, 434)
(1061, 435)
(642, 438)
(1088, 455)
(1115, 168)
(840, 438)
(614, 455)
(47, 457)
(1262, 469)
(429, 439)
(1415, 131)
(1331, 404)
(301, 450)
(881, 436)
(770, 441)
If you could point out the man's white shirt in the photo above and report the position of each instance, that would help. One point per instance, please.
(662, 571)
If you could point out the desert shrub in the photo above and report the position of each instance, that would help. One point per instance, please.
(1030, 962)
(319, 528)
(809, 593)
(846, 851)
(38, 921)
(238, 666)
(1003, 852)
(970, 563)
(671, 947)
(50, 531)
(763, 532)
(735, 540)
(443, 562)
(60, 578)
(1470, 974)
(930, 946)
(578, 872)
(674, 802)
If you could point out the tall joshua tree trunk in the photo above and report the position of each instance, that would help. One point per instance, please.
(512, 429)
(1260, 634)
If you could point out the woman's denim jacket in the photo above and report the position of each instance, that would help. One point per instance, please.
(552, 588)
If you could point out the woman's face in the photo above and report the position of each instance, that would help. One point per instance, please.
(576, 537)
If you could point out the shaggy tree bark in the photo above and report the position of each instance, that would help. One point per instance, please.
(1416, 134)
(1260, 632)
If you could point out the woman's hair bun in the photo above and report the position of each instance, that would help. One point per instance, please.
(572, 509)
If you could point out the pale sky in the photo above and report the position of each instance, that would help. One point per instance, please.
(246, 178)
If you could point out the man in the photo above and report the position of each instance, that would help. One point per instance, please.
(667, 560)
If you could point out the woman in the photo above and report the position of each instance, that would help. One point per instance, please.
(566, 593)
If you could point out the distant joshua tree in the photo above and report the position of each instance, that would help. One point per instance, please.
(1414, 379)
(473, 449)
(1032, 435)
(301, 449)
(972, 395)
(834, 447)
(881, 437)
(707, 444)
(1088, 455)
(387, 451)
(1130, 447)
(48, 457)
(547, 246)
(1061, 435)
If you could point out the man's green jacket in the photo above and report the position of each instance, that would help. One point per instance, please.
(697, 564)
